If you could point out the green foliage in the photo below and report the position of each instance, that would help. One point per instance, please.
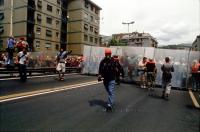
(114, 42)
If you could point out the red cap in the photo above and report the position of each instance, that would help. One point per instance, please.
(108, 51)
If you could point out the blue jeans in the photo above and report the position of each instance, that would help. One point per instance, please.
(195, 81)
(110, 86)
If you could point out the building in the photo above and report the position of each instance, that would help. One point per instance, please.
(43, 23)
(83, 25)
(105, 40)
(136, 39)
(196, 44)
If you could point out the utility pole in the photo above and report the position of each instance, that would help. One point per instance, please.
(11, 18)
(128, 23)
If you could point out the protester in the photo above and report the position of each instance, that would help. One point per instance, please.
(61, 56)
(141, 72)
(119, 71)
(151, 73)
(166, 68)
(10, 49)
(23, 61)
(107, 71)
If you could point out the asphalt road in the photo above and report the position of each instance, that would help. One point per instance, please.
(82, 110)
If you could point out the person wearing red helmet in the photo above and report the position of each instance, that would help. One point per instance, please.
(107, 71)
(151, 74)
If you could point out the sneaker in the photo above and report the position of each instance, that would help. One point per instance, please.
(109, 108)
(144, 86)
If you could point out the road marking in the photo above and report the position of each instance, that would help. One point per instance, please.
(31, 77)
(46, 91)
(196, 104)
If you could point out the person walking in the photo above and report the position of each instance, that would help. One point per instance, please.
(22, 60)
(166, 68)
(61, 56)
(107, 71)
(120, 70)
(194, 72)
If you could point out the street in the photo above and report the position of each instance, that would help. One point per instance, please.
(81, 109)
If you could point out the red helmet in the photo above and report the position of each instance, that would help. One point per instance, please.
(108, 51)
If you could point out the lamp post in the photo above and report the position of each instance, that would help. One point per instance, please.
(128, 23)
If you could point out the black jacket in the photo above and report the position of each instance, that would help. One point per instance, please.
(108, 69)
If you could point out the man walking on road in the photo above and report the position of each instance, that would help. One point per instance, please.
(107, 71)
(166, 68)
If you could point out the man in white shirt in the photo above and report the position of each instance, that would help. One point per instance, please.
(22, 60)
(61, 56)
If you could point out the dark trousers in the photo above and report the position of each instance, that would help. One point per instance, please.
(10, 54)
(22, 72)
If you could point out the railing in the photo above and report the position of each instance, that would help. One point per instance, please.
(44, 70)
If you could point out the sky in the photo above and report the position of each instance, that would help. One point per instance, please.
(169, 21)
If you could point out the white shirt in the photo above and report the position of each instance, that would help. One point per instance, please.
(22, 57)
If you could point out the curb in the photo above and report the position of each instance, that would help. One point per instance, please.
(194, 100)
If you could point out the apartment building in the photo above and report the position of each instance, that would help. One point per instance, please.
(136, 39)
(43, 23)
(83, 25)
(196, 44)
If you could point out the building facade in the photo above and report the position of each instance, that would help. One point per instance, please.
(83, 25)
(43, 23)
(136, 39)
(196, 44)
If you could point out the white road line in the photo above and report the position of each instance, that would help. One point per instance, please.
(47, 91)
(196, 104)
(30, 77)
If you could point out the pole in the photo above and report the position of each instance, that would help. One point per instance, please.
(11, 18)
(128, 23)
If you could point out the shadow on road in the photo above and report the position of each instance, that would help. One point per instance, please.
(97, 102)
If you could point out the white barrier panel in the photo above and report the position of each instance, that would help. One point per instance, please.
(130, 57)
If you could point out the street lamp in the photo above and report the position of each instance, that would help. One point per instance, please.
(128, 23)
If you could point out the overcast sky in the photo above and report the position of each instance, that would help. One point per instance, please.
(169, 21)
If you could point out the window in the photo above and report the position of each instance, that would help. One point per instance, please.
(91, 18)
(96, 11)
(96, 40)
(48, 45)
(85, 16)
(86, 4)
(58, 2)
(48, 33)
(91, 29)
(37, 44)
(58, 11)
(96, 31)
(1, 16)
(57, 23)
(1, 2)
(1, 44)
(91, 39)
(49, 20)
(96, 21)
(85, 37)
(92, 7)
(57, 47)
(1, 30)
(49, 8)
(39, 18)
(39, 4)
(86, 26)
(38, 30)
(57, 34)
